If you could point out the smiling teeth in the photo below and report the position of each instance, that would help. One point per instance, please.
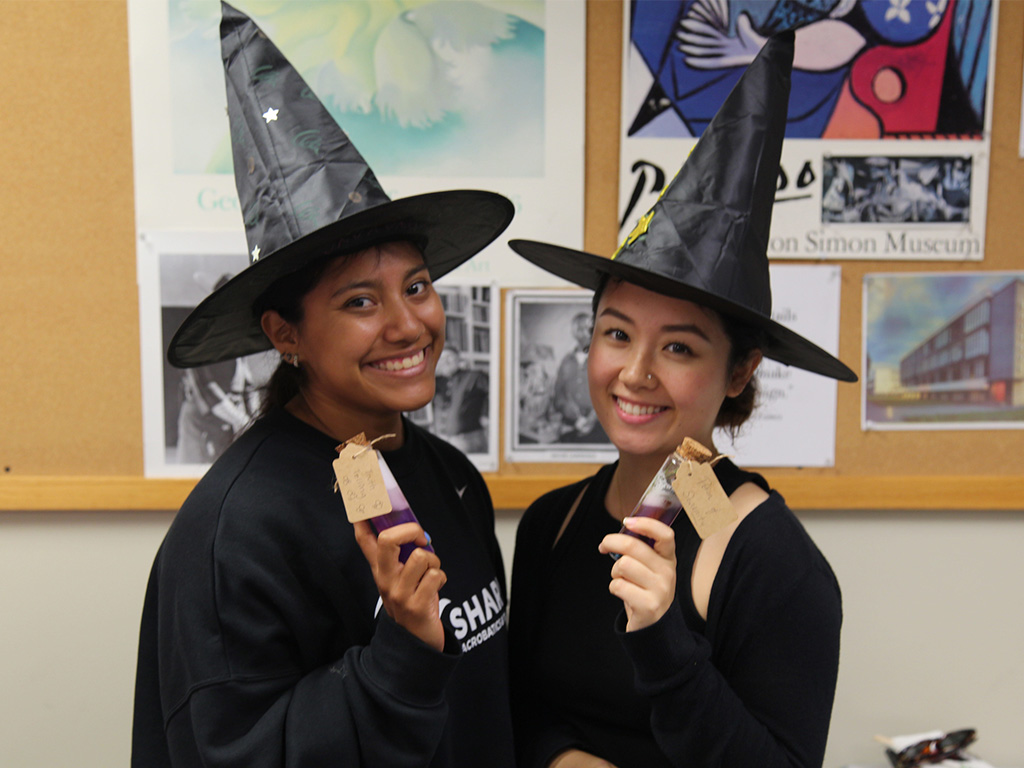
(401, 365)
(634, 409)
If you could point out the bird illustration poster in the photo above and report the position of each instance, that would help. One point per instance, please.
(889, 121)
(435, 94)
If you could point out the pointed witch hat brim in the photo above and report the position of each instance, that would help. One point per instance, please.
(306, 193)
(705, 239)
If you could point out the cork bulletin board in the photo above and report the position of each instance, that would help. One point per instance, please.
(70, 401)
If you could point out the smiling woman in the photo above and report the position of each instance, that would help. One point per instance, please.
(681, 649)
(366, 338)
(661, 368)
(274, 633)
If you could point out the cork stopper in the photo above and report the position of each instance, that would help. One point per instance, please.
(691, 450)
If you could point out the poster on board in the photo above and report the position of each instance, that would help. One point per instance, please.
(500, 107)
(943, 350)
(435, 95)
(887, 144)
(190, 416)
(794, 419)
(548, 413)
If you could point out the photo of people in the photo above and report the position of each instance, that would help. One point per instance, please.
(550, 413)
(200, 410)
(896, 189)
(943, 350)
(464, 410)
(215, 402)
(572, 397)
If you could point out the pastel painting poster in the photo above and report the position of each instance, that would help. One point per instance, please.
(874, 83)
(421, 87)
(434, 94)
(944, 351)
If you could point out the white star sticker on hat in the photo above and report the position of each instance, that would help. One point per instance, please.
(270, 114)
(256, 253)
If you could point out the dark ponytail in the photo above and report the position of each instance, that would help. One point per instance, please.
(744, 340)
(285, 296)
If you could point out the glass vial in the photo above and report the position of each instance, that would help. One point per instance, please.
(400, 512)
(659, 500)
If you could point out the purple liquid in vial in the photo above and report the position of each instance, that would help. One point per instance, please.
(400, 512)
(665, 510)
(659, 500)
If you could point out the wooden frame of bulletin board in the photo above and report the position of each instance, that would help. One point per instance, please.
(70, 401)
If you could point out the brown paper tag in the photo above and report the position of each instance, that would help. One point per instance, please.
(706, 504)
(360, 481)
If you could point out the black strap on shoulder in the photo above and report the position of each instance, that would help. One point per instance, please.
(732, 477)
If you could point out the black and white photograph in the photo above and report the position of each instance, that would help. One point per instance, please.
(190, 415)
(464, 410)
(549, 414)
(885, 189)
(204, 407)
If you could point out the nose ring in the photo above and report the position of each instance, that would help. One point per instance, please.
(649, 377)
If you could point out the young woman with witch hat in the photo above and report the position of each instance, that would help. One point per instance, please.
(273, 633)
(715, 652)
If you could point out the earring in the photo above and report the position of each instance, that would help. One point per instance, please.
(292, 358)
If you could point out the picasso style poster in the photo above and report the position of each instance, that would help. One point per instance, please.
(887, 143)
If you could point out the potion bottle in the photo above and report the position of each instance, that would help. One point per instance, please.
(659, 500)
(400, 512)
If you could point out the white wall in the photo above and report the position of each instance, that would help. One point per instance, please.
(933, 628)
(933, 634)
(71, 589)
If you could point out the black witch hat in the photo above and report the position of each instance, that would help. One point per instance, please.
(306, 192)
(706, 238)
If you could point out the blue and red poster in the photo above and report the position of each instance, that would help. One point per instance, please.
(886, 153)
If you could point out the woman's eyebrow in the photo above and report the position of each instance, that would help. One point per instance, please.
(373, 283)
(681, 328)
(414, 270)
(686, 328)
(616, 313)
(359, 285)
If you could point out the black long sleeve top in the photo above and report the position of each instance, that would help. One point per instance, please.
(751, 687)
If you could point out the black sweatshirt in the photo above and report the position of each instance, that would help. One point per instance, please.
(262, 640)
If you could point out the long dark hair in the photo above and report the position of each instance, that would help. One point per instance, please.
(744, 340)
